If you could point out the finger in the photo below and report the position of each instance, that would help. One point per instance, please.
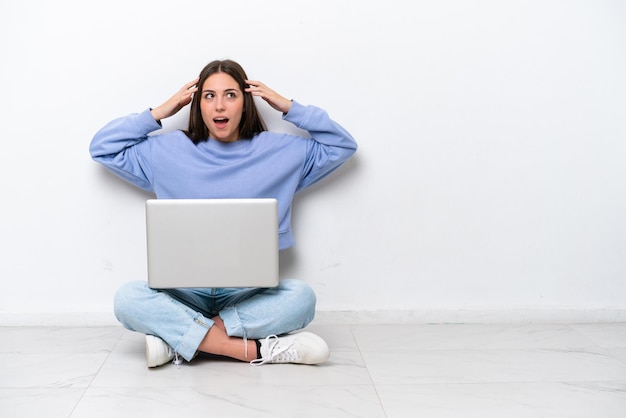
(255, 91)
(256, 84)
(192, 84)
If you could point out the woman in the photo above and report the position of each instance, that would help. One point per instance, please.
(225, 153)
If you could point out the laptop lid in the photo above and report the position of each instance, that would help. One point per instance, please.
(212, 242)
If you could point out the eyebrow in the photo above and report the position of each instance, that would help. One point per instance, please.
(225, 91)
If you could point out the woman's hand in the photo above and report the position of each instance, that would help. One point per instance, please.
(179, 100)
(274, 99)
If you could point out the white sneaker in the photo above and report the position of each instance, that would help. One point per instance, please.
(157, 351)
(301, 348)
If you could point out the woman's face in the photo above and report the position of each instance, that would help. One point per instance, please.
(221, 106)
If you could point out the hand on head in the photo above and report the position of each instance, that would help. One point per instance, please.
(179, 100)
(274, 99)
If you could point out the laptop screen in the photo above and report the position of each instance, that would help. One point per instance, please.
(212, 242)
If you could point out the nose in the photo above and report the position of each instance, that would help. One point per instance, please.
(219, 103)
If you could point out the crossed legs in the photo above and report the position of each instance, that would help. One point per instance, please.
(217, 321)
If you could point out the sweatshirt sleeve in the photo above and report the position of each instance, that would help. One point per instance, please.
(122, 147)
(330, 146)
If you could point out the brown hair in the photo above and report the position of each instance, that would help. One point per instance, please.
(251, 122)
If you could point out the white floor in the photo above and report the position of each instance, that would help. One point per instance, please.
(375, 371)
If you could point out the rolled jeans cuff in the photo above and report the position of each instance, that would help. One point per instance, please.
(196, 332)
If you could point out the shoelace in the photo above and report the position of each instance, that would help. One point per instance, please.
(177, 360)
(276, 354)
(171, 353)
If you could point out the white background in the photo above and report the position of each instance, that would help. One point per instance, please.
(490, 178)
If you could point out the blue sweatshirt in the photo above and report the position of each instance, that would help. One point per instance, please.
(270, 165)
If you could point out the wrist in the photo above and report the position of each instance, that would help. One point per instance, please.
(287, 107)
(156, 114)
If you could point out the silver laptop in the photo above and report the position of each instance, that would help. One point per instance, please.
(212, 242)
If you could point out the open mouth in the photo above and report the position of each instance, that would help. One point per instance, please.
(220, 122)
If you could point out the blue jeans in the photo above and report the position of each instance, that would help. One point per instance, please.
(182, 317)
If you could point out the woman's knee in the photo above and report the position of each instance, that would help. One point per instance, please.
(127, 299)
(303, 298)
